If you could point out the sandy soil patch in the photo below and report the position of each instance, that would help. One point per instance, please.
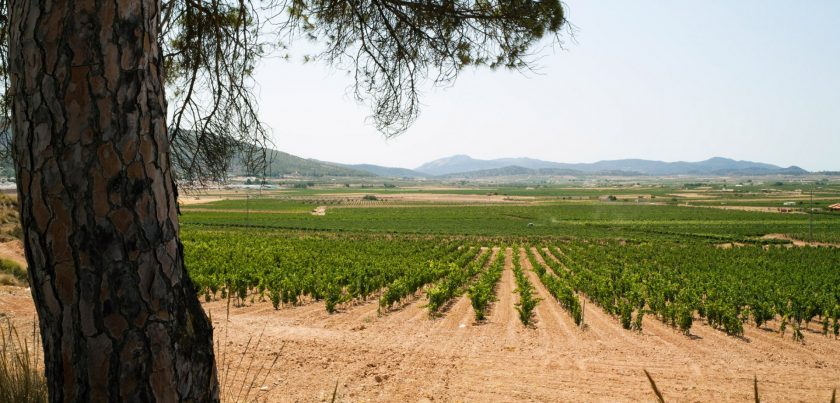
(436, 197)
(191, 200)
(782, 199)
(424, 205)
(763, 209)
(729, 245)
(689, 195)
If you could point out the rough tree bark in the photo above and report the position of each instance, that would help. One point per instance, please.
(118, 314)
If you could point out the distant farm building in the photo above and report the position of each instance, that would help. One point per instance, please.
(834, 207)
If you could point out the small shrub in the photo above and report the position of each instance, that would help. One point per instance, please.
(733, 326)
(685, 317)
(14, 273)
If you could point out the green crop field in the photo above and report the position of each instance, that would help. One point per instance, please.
(632, 258)
(631, 220)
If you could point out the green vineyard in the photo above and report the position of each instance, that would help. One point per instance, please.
(677, 283)
(406, 292)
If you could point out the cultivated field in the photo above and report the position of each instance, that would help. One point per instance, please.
(517, 293)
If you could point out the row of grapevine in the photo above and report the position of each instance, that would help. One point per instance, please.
(408, 284)
(558, 283)
(454, 283)
(727, 287)
(527, 298)
(483, 292)
(416, 277)
(678, 283)
(293, 268)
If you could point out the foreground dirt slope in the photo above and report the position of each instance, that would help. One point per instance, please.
(406, 356)
(302, 353)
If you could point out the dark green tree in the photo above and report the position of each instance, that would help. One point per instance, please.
(108, 103)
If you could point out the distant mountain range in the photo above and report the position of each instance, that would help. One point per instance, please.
(466, 167)
(463, 164)
(520, 171)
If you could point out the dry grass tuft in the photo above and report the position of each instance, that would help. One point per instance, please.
(11, 273)
(242, 378)
(21, 380)
(8, 279)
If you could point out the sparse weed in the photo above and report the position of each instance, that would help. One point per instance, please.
(21, 379)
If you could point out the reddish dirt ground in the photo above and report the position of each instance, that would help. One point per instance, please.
(406, 356)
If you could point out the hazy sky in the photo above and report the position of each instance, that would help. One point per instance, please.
(755, 80)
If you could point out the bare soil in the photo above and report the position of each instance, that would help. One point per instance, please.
(763, 209)
(191, 200)
(799, 242)
(692, 195)
(730, 245)
(436, 197)
(301, 353)
(240, 211)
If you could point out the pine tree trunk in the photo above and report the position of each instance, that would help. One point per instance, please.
(118, 314)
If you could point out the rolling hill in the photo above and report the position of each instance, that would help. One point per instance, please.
(389, 172)
(514, 170)
(281, 163)
(462, 164)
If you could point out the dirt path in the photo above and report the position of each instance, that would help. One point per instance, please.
(191, 209)
(188, 200)
(760, 209)
(434, 197)
(403, 355)
(799, 242)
